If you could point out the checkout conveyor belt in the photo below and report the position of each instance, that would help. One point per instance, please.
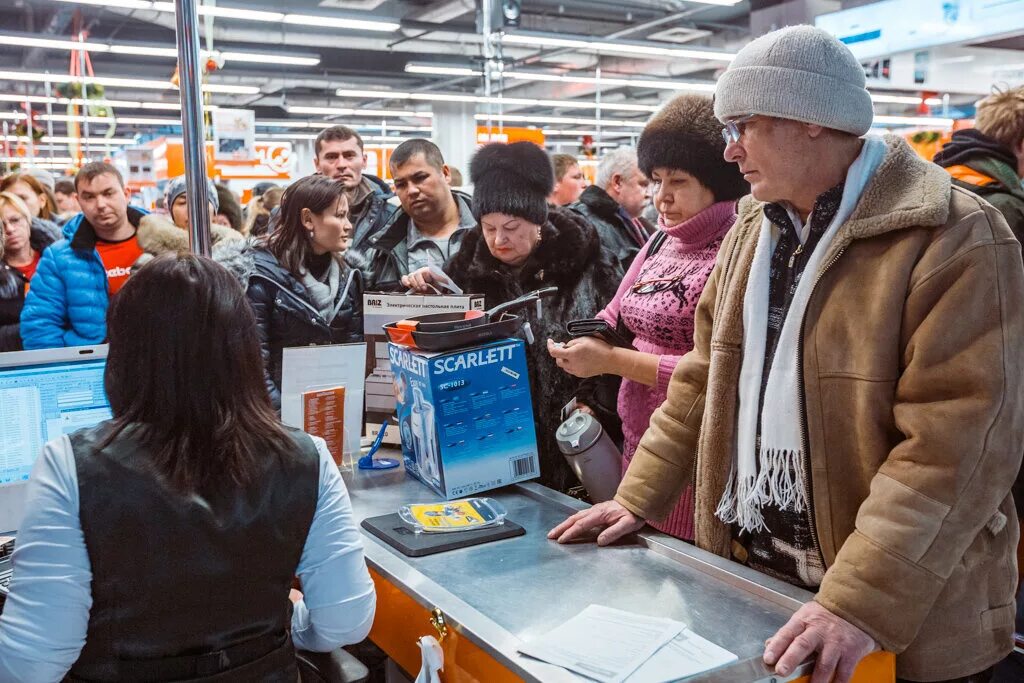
(503, 593)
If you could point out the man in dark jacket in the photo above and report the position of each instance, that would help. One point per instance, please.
(988, 159)
(340, 155)
(429, 227)
(615, 203)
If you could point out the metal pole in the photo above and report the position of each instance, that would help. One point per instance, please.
(49, 118)
(85, 98)
(30, 128)
(488, 61)
(187, 17)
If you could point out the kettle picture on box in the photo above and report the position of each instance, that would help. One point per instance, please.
(466, 416)
(424, 443)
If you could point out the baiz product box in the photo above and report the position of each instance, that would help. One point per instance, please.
(465, 417)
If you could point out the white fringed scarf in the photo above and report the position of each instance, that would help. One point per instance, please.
(774, 474)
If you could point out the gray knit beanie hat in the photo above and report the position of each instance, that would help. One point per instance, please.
(179, 186)
(802, 73)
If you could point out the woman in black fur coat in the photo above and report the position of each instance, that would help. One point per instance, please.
(519, 245)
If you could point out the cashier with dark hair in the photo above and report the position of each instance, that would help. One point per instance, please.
(521, 245)
(161, 545)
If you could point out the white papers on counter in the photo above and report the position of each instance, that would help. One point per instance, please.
(613, 646)
(685, 655)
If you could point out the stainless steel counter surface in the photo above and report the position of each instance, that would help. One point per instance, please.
(501, 593)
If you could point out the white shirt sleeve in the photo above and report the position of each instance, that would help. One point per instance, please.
(339, 600)
(46, 617)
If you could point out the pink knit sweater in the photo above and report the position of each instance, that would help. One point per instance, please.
(663, 324)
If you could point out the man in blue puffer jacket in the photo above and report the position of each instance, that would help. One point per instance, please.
(67, 301)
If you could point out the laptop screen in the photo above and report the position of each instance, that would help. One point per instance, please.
(41, 402)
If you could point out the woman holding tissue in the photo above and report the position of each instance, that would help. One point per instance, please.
(299, 285)
(521, 245)
(696, 190)
(161, 545)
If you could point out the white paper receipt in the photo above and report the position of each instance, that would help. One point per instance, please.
(604, 644)
(686, 655)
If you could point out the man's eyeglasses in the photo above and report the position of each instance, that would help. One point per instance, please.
(734, 128)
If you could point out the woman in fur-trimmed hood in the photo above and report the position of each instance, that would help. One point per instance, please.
(521, 245)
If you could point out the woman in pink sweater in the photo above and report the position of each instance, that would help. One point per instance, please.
(681, 151)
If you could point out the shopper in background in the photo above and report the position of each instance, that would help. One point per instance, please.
(456, 180)
(340, 156)
(988, 159)
(229, 210)
(176, 201)
(218, 505)
(615, 202)
(77, 276)
(67, 203)
(300, 287)
(259, 211)
(569, 180)
(37, 197)
(696, 190)
(852, 406)
(272, 198)
(430, 226)
(521, 245)
(21, 246)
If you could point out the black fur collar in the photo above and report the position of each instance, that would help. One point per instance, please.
(568, 245)
(601, 203)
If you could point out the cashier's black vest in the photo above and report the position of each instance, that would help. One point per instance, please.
(186, 587)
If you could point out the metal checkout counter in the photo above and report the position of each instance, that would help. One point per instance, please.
(482, 602)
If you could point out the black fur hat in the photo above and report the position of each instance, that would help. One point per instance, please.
(513, 179)
(684, 134)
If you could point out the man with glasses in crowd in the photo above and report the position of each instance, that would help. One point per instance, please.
(851, 410)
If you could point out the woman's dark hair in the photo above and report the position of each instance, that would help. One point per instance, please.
(288, 241)
(184, 369)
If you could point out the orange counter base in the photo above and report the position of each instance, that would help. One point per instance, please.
(401, 622)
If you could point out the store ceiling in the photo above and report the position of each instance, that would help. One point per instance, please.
(431, 32)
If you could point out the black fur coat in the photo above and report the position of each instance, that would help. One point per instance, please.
(571, 258)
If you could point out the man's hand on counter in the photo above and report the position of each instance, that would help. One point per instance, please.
(813, 629)
(614, 520)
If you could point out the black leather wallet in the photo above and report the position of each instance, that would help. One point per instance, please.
(595, 327)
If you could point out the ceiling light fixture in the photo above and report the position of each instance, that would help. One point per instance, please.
(126, 120)
(608, 47)
(69, 140)
(31, 162)
(335, 111)
(480, 99)
(529, 118)
(904, 99)
(152, 50)
(316, 21)
(920, 121)
(113, 104)
(441, 70)
(603, 81)
(136, 83)
(581, 133)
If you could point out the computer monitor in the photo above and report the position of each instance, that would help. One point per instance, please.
(43, 394)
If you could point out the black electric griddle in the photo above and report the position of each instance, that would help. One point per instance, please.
(446, 331)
